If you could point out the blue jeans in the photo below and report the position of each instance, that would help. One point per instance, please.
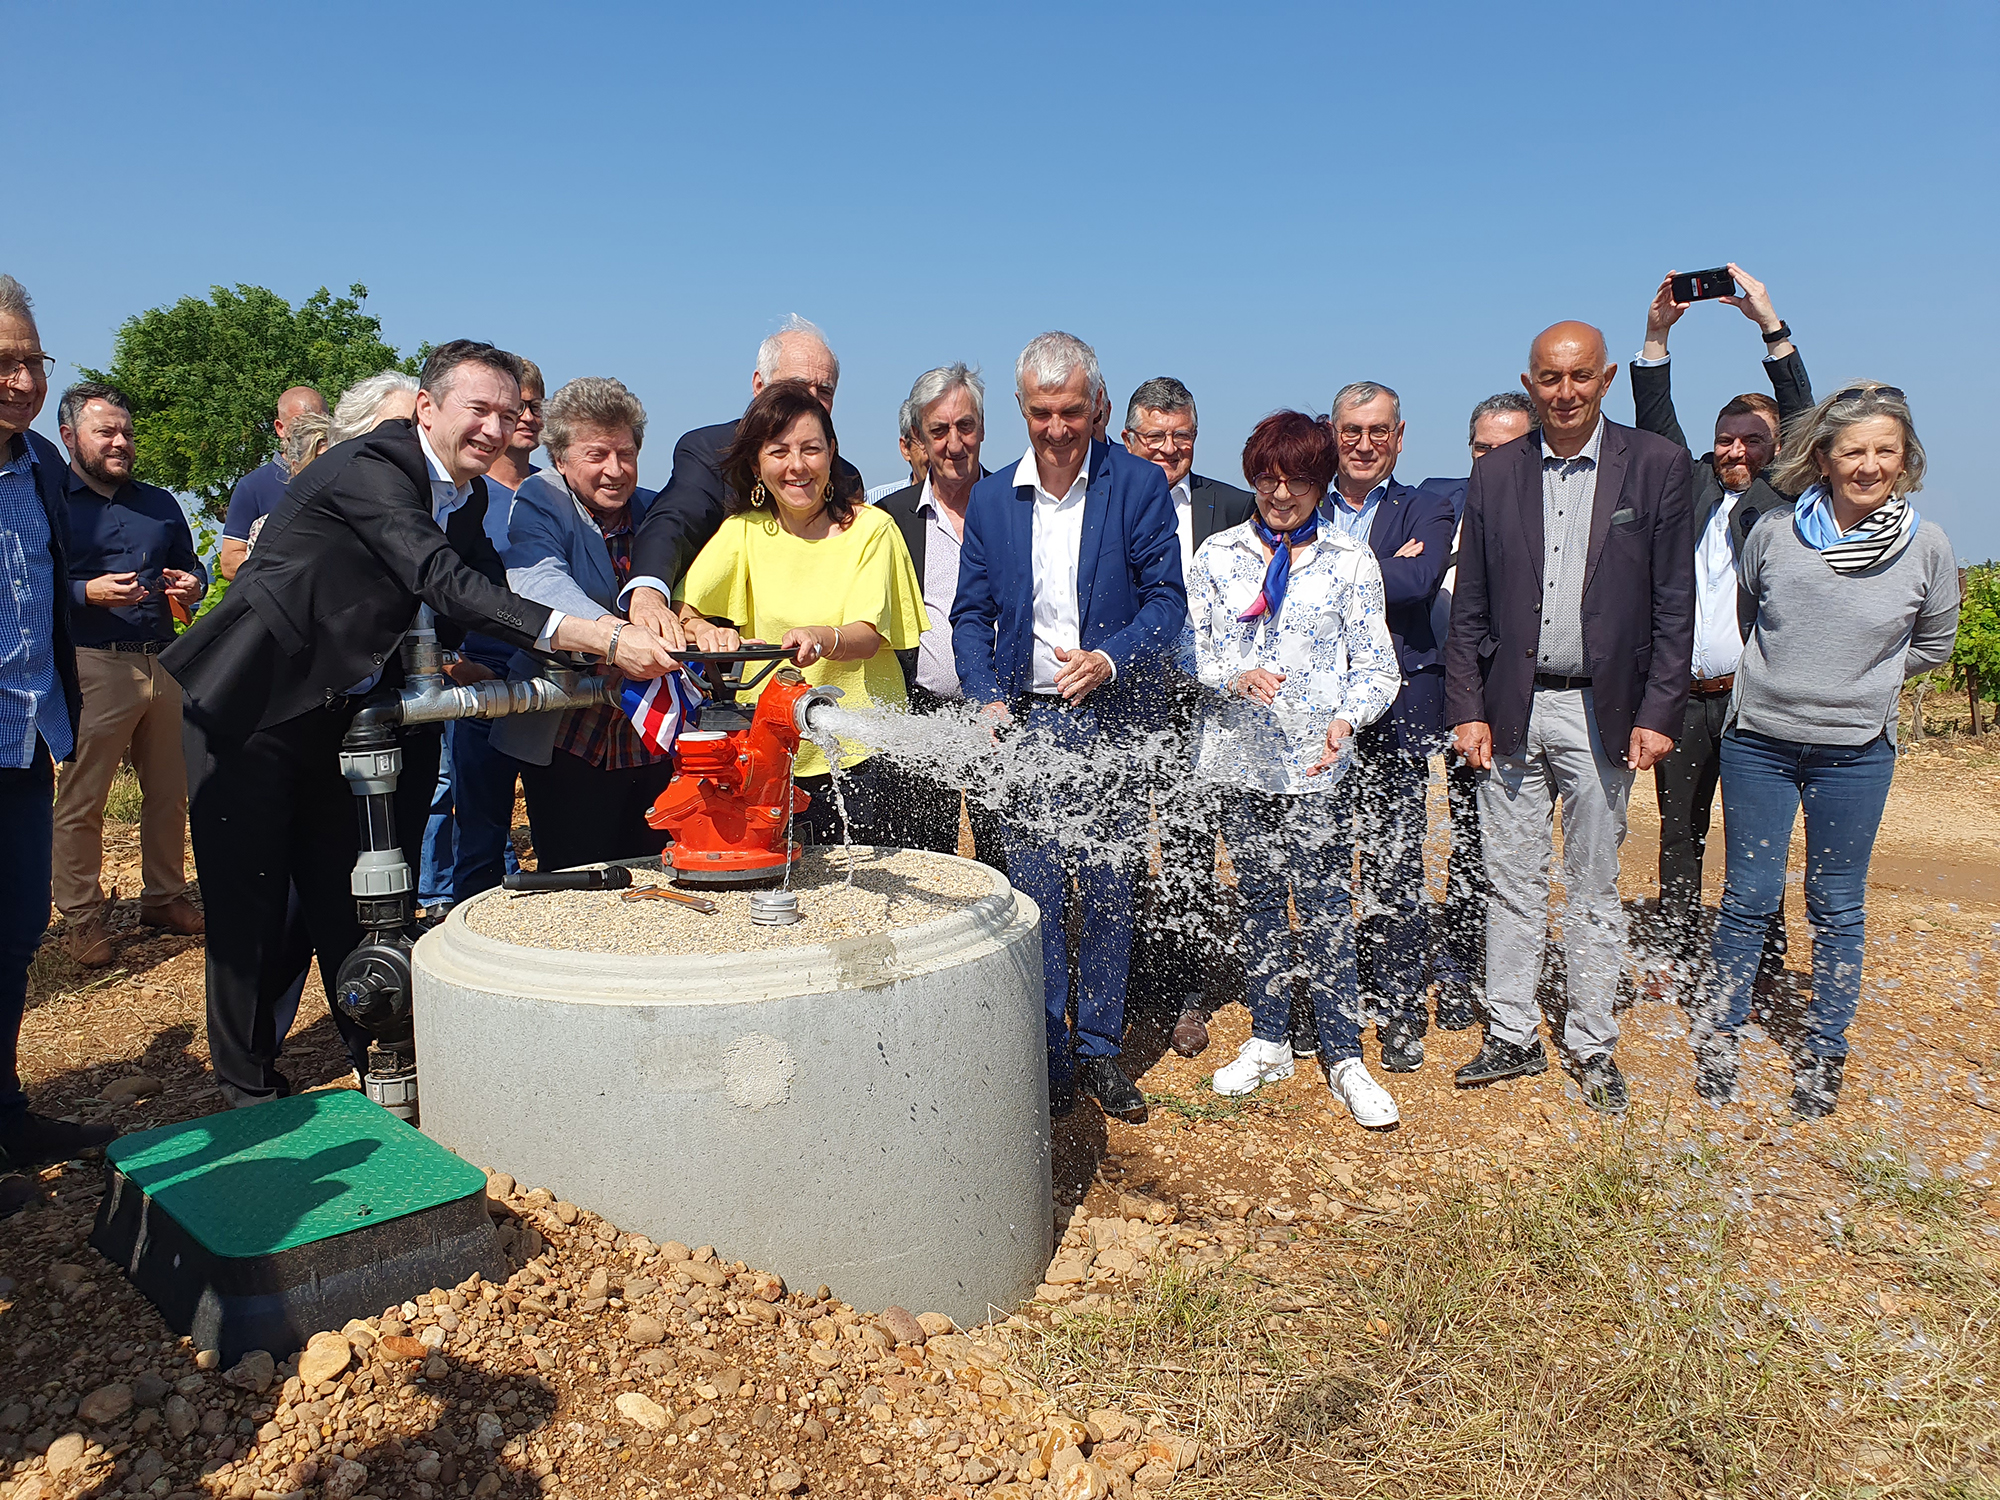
(1097, 848)
(482, 789)
(1764, 783)
(27, 819)
(1384, 806)
(1296, 847)
(440, 838)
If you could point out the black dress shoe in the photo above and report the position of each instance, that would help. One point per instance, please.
(1500, 1059)
(1816, 1087)
(1402, 1047)
(1454, 1006)
(1603, 1085)
(1102, 1077)
(1190, 1037)
(36, 1140)
(1305, 1029)
(1715, 1074)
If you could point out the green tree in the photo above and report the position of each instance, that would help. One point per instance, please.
(1975, 655)
(204, 377)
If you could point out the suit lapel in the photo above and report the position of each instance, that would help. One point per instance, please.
(1096, 500)
(1388, 513)
(1530, 492)
(1611, 463)
(1021, 545)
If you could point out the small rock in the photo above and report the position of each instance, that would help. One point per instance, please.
(147, 1467)
(766, 1287)
(30, 1489)
(1063, 1431)
(149, 1389)
(437, 1367)
(643, 1410)
(935, 1324)
(978, 1469)
(181, 1417)
(645, 1329)
(346, 1481)
(398, 1348)
(253, 1372)
(488, 1486)
(707, 1273)
(786, 1481)
(727, 1383)
(490, 1429)
(208, 1359)
(325, 1356)
(566, 1212)
(1171, 1452)
(301, 1474)
(674, 1250)
(65, 1453)
(358, 1334)
(1109, 1421)
(138, 1086)
(1068, 1269)
(1084, 1481)
(500, 1185)
(904, 1328)
(106, 1405)
(14, 1417)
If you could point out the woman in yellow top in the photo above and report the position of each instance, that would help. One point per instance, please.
(802, 562)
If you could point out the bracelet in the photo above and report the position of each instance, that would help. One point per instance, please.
(1779, 334)
(836, 642)
(611, 646)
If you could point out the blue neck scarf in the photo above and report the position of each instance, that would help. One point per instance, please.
(1279, 574)
(1878, 537)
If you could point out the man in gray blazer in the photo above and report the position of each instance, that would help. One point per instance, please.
(587, 776)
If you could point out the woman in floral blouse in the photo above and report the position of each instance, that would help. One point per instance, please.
(1291, 638)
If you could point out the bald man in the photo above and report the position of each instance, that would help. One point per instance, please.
(1566, 672)
(257, 493)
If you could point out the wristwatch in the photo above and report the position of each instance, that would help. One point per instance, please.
(1779, 334)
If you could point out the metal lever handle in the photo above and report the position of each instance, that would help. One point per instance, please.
(614, 878)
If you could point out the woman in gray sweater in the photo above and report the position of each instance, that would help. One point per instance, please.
(1853, 593)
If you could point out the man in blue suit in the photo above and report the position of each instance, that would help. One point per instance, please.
(1410, 535)
(1070, 602)
(1458, 953)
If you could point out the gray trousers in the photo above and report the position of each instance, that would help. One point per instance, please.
(1561, 757)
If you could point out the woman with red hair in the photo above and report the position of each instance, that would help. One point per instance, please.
(1291, 635)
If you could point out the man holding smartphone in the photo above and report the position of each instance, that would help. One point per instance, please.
(1729, 495)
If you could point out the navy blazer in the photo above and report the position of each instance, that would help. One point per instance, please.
(1131, 596)
(52, 489)
(1638, 591)
(1410, 585)
(1452, 491)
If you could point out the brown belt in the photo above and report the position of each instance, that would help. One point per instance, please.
(1708, 687)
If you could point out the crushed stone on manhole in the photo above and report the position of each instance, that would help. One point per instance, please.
(892, 889)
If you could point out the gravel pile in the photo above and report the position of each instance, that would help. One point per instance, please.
(604, 1365)
(891, 888)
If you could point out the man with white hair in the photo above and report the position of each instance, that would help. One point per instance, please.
(689, 510)
(1070, 602)
(257, 493)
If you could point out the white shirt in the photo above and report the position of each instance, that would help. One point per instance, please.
(1330, 640)
(1056, 551)
(1718, 636)
(447, 496)
(1183, 495)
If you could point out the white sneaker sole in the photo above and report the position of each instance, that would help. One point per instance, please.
(1236, 1090)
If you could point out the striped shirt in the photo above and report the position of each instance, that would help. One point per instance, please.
(31, 700)
(1569, 490)
(601, 735)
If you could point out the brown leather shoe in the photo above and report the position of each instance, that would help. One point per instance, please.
(1191, 1034)
(178, 915)
(88, 940)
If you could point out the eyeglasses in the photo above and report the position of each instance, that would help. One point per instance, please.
(44, 364)
(1161, 441)
(1351, 436)
(1298, 489)
(1857, 392)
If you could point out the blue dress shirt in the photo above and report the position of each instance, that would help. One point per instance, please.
(256, 495)
(140, 529)
(31, 702)
(1348, 521)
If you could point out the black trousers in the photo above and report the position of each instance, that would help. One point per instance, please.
(1386, 789)
(581, 815)
(1187, 927)
(1458, 950)
(1685, 783)
(867, 791)
(269, 816)
(924, 811)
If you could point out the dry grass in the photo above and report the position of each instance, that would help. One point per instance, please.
(121, 803)
(1596, 1330)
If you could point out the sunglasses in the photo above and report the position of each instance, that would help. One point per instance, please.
(1856, 392)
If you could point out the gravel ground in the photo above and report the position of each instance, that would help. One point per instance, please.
(891, 888)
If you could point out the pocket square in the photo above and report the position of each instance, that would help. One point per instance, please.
(1620, 517)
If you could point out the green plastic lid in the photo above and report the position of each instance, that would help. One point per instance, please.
(249, 1182)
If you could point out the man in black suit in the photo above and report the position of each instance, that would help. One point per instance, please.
(273, 675)
(1410, 534)
(1566, 671)
(1458, 953)
(40, 706)
(1178, 942)
(1730, 493)
(689, 510)
(947, 418)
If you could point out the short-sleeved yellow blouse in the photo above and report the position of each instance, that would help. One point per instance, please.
(757, 574)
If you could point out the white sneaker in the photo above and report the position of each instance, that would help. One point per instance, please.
(1257, 1063)
(1365, 1099)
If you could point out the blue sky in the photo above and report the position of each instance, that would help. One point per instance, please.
(1265, 200)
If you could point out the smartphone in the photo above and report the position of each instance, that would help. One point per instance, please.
(1702, 286)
